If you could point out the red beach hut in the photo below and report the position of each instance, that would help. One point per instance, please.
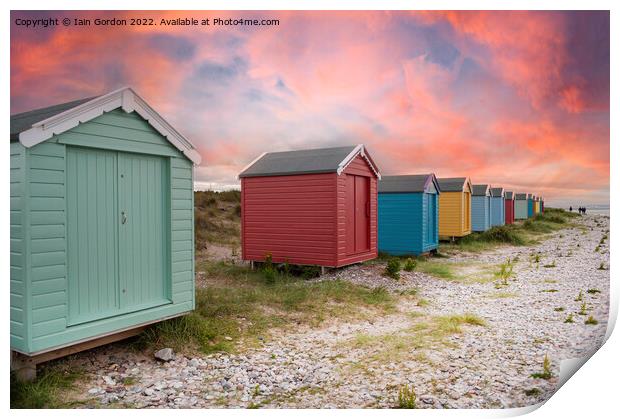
(310, 207)
(509, 202)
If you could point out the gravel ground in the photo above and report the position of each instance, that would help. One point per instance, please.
(480, 367)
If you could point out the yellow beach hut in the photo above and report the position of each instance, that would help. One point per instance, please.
(454, 207)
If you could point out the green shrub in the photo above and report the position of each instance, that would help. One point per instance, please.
(410, 265)
(569, 318)
(392, 269)
(406, 397)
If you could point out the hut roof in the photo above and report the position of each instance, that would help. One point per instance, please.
(521, 196)
(33, 127)
(408, 183)
(297, 162)
(454, 184)
(509, 195)
(497, 192)
(481, 190)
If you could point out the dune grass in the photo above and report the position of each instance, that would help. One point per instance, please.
(239, 305)
(522, 233)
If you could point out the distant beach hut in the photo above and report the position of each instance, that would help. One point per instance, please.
(542, 205)
(310, 207)
(509, 207)
(481, 208)
(408, 214)
(498, 209)
(521, 204)
(530, 205)
(454, 207)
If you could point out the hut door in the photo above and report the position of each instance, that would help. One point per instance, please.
(357, 214)
(92, 263)
(142, 230)
(116, 233)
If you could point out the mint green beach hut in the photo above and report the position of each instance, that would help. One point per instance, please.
(102, 240)
(521, 206)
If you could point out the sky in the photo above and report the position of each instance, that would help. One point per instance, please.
(515, 99)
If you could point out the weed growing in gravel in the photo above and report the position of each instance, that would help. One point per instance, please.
(579, 296)
(406, 397)
(583, 309)
(505, 272)
(502, 295)
(546, 372)
(593, 291)
(392, 269)
(550, 265)
(597, 248)
(535, 391)
(591, 321)
(549, 290)
(558, 309)
(569, 318)
(422, 302)
(410, 265)
(602, 267)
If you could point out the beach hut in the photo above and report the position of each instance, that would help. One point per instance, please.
(521, 204)
(454, 207)
(102, 236)
(498, 207)
(481, 208)
(530, 205)
(509, 207)
(310, 207)
(408, 214)
(542, 205)
(536, 205)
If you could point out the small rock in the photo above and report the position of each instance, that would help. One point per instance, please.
(228, 338)
(94, 390)
(427, 399)
(166, 354)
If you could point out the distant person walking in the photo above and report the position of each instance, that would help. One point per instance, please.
(584, 210)
(570, 208)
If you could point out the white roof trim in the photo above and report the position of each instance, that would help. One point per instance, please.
(124, 98)
(361, 150)
(251, 164)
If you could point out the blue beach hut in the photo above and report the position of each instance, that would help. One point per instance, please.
(481, 208)
(498, 208)
(530, 205)
(408, 221)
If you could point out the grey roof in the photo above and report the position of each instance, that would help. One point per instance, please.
(23, 121)
(520, 196)
(497, 192)
(480, 190)
(407, 183)
(321, 160)
(509, 195)
(452, 184)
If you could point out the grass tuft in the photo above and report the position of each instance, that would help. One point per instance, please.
(406, 397)
(546, 372)
(43, 393)
(591, 321)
